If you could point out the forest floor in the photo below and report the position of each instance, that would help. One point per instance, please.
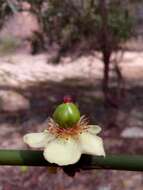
(30, 88)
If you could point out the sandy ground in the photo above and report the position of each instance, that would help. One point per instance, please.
(23, 70)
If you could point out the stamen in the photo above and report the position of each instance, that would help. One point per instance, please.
(74, 131)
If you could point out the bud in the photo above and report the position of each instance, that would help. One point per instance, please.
(66, 114)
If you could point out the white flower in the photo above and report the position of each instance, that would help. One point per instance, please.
(65, 146)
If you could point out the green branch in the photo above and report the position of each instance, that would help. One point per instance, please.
(35, 158)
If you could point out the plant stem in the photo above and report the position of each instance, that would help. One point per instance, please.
(35, 158)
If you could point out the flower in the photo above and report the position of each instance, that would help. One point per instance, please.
(64, 146)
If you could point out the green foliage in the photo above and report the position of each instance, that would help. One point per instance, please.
(6, 9)
(8, 44)
(67, 22)
(119, 22)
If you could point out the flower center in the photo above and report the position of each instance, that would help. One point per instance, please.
(65, 133)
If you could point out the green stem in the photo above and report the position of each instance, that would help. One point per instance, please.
(35, 158)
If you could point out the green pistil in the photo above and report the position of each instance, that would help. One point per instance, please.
(66, 115)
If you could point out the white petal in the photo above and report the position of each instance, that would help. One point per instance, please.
(62, 152)
(94, 129)
(91, 144)
(37, 140)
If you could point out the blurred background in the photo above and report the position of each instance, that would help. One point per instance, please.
(89, 49)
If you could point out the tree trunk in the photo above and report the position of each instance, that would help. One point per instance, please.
(105, 84)
(120, 83)
(105, 46)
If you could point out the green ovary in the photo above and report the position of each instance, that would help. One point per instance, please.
(66, 115)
